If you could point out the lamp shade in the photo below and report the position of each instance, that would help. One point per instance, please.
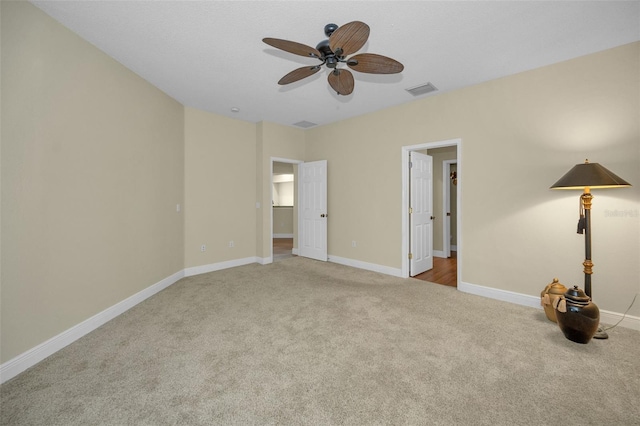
(591, 175)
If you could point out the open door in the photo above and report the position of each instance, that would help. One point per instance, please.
(421, 213)
(312, 208)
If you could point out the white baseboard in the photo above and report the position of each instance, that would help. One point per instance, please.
(17, 365)
(294, 251)
(606, 317)
(20, 363)
(454, 248)
(365, 265)
(203, 269)
(438, 253)
(504, 295)
(611, 318)
(282, 235)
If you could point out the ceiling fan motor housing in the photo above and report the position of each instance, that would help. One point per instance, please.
(324, 48)
(328, 56)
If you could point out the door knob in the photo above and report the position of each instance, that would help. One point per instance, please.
(324, 215)
(433, 218)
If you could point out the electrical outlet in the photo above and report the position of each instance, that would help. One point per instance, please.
(231, 244)
(353, 243)
(203, 247)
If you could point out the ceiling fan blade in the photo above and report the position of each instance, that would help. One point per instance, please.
(374, 64)
(299, 74)
(341, 81)
(349, 38)
(293, 47)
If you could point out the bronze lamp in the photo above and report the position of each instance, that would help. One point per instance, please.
(585, 177)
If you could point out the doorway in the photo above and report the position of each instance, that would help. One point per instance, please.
(283, 208)
(447, 256)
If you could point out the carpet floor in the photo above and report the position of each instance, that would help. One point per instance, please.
(303, 342)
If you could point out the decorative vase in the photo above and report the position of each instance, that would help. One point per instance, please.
(577, 316)
(549, 295)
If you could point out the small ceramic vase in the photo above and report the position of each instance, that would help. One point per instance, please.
(578, 317)
(549, 295)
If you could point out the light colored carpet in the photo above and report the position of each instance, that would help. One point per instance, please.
(305, 342)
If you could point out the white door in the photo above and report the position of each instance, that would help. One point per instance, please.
(421, 213)
(312, 228)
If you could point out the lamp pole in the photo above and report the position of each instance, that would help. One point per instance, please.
(588, 265)
(586, 199)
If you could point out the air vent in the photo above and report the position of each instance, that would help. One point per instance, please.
(305, 124)
(422, 89)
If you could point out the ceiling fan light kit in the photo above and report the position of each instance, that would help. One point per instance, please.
(342, 42)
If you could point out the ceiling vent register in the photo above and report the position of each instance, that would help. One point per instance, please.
(423, 89)
(304, 124)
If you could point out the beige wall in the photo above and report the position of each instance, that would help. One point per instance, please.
(519, 135)
(273, 141)
(282, 193)
(362, 154)
(283, 220)
(92, 171)
(220, 187)
(94, 161)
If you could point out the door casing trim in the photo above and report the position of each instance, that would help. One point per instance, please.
(405, 200)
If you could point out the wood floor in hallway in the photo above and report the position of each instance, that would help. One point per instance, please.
(445, 271)
(282, 248)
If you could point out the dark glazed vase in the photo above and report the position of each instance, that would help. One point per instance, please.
(578, 317)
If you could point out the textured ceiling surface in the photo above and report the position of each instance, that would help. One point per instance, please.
(210, 55)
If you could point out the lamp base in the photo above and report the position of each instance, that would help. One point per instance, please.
(601, 334)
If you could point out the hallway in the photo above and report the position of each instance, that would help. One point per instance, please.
(282, 248)
(445, 271)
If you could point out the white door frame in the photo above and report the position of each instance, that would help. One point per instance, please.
(295, 203)
(446, 206)
(405, 200)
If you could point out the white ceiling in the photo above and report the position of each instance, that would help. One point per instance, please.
(210, 55)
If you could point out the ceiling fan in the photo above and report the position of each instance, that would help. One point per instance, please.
(342, 41)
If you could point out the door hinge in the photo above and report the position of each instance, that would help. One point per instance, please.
(410, 210)
(410, 255)
(410, 164)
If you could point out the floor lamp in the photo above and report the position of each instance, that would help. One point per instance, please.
(585, 177)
